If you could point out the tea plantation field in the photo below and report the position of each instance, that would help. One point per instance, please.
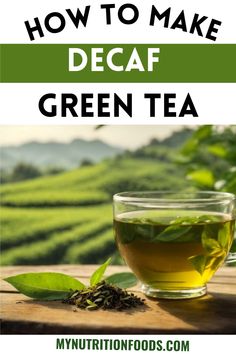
(67, 218)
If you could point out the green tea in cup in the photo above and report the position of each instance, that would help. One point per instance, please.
(174, 243)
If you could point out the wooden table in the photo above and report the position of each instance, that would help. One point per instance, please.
(213, 313)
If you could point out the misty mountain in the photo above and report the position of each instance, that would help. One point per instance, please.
(175, 140)
(66, 155)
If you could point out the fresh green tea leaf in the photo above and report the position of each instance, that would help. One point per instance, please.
(45, 286)
(203, 177)
(172, 233)
(96, 277)
(123, 280)
(218, 150)
(205, 131)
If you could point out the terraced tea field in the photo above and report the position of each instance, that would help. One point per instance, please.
(48, 236)
(67, 218)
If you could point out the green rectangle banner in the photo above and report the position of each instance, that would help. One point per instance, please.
(176, 63)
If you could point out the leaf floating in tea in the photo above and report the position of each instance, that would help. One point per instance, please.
(104, 296)
(189, 220)
(123, 280)
(208, 219)
(172, 233)
(202, 263)
(186, 220)
(223, 235)
(151, 221)
(45, 286)
(211, 245)
(98, 274)
(199, 263)
(210, 231)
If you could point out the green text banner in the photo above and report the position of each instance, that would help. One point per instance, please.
(177, 63)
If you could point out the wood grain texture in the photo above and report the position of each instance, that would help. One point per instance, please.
(213, 313)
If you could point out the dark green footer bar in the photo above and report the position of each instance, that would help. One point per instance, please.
(177, 63)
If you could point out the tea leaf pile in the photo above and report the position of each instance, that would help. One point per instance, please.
(104, 296)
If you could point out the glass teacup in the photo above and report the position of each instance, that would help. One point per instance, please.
(174, 242)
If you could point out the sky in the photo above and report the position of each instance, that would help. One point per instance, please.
(130, 137)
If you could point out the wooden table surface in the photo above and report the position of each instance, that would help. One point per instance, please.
(213, 313)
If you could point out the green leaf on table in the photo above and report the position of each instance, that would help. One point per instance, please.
(96, 277)
(172, 232)
(45, 286)
(123, 280)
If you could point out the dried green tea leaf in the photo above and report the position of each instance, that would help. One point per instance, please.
(123, 280)
(98, 274)
(45, 286)
(90, 302)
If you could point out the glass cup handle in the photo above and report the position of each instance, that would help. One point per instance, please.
(231, 258)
